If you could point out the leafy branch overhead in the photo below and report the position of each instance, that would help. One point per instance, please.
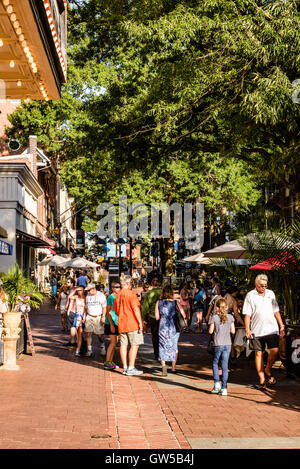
(175, 100)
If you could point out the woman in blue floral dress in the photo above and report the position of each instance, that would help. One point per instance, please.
(165, 312)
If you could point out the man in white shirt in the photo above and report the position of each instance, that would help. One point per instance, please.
(95, 317)
(262, 317)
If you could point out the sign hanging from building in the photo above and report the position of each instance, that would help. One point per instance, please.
(6, 248)
(80, 239)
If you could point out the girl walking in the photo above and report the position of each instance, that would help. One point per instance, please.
(221, 325)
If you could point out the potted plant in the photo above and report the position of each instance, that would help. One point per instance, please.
(21, 294)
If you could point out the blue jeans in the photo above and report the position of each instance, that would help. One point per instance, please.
(223, 352)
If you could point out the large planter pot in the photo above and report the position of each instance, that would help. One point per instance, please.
(10, 335)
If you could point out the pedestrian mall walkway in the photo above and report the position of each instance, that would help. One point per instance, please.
(59, 401)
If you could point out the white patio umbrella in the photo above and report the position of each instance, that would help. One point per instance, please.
(80, 263)
(235, 249)
(231, 250)
(199, 258)
(53, 261)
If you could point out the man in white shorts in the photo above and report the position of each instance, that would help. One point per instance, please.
(262, 318)
(95, 317)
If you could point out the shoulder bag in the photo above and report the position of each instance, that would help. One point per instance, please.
(180, 321)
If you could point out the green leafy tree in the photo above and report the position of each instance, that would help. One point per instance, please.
(175, 101)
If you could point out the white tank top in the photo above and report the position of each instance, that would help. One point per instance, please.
(63, 300)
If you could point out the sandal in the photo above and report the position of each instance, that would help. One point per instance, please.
(262, 386)
(271, 380)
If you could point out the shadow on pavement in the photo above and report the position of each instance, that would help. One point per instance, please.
(194, 364)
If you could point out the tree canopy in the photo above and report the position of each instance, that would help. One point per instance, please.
(175, 101)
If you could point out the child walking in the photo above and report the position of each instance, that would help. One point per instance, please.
(222, 325)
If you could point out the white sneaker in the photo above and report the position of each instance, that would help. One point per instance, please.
(223, 392)
(216, 389)
(124, 371)
(102, 349)
(133, 372)
(89, 353)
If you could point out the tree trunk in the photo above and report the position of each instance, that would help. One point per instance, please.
(169, 266)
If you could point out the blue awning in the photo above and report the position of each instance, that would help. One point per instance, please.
(5, 248)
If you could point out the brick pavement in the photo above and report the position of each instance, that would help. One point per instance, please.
(59, 401)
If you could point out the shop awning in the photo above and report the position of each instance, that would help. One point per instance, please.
(31, 241)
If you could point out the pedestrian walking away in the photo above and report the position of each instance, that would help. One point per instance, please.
(135, 278)
(262, 319)
(148, 313)
(216, 287)
(165, 313)
(53, 292)
(198, 305)
(222, 325)
(111, 327)
(185, 301)
(82, 280)
(230, 298)
(95, 317)
(130, 325)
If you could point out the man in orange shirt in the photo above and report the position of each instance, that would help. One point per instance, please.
(130, 325)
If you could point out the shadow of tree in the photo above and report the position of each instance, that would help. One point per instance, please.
(194, 364)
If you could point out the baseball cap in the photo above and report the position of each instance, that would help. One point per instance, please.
(90, 286)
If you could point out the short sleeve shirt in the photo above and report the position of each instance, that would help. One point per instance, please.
(261, 310)
(95, 303)
(125, 302)
(82, 281)
(222, 330)
(110, 302)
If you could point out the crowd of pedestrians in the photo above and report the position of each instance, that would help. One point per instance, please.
(121, 313)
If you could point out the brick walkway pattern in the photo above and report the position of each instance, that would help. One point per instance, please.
(59, 401)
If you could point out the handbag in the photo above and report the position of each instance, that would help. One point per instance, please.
(180, 322)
